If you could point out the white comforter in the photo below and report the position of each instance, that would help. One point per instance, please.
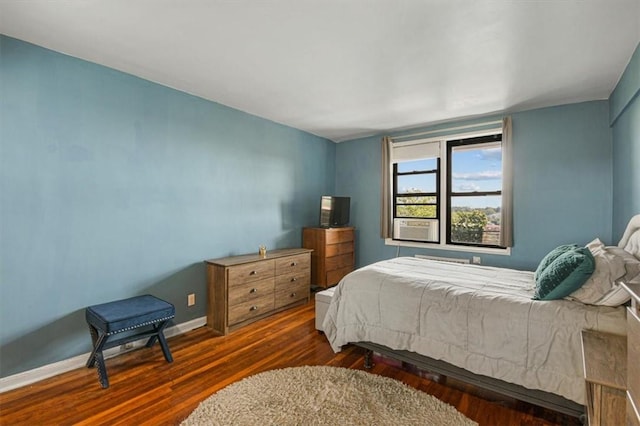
(476, 317)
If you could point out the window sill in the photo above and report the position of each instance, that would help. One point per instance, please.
(435, 246)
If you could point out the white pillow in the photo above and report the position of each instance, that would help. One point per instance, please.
(633, 244)
(617, 296)
(595, 245)
(631, 264)
(601, 287)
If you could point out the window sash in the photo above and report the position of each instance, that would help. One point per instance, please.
(461, 145)
(397, 195)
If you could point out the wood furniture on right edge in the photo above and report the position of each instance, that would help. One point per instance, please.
(333, 254)
(612, 370)
(633, 355)
(605, 356)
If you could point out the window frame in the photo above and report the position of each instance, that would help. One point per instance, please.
(436, 194)
(451, 144)
(444, 217)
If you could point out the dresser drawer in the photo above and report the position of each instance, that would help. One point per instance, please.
(250, 309)
(256, 271)
(333, 253)
(339, 236)
(633, 413)
(338, 262)
(340, 248)
(334, 277)
(290, 293)
(250, 291)
(633, 356)
(635, 309)
(293, 278)
(293, 264)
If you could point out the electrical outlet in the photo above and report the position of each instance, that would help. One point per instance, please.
(191, 299)
(476, 260)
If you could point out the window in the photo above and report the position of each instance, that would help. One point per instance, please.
(416, 199)
(474, 191)
(448, 191)
(416, 188)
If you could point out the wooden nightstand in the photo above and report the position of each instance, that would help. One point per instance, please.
(633, 355)
(605, 372)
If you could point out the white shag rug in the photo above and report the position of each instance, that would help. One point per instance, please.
(320, 395)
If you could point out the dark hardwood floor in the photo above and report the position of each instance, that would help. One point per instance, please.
(145, 389)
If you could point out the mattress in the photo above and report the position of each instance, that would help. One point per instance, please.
(475, 317)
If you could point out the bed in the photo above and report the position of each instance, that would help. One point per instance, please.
(479, 324)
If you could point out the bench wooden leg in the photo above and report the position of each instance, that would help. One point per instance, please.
(94, 342)
(99, 340)
(165, 348)
(96, 356)
(159, 330)
(102, 371)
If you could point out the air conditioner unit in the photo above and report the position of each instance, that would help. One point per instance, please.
(416, 229)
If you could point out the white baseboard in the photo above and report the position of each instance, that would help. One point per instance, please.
(31, 376)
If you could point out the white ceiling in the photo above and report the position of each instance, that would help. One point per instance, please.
(348, 68)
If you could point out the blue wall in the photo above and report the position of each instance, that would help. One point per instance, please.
(562, 184)
(625, 118)
(112, 186)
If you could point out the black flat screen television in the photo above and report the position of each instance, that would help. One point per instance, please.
(334, 211)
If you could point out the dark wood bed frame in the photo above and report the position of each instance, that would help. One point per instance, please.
(536, 397)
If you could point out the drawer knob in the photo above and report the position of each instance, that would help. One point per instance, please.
(294, 279)
(293, 295)
(294, 263)
(253, 308)
(253, 290)
(253, 273)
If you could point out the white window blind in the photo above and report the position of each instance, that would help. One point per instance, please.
(414, 150)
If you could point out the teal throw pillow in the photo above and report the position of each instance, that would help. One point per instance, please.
(564, 274)
(553, 255)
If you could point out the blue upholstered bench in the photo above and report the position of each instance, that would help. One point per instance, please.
(141, 316)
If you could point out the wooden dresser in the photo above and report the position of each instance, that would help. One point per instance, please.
(612, 370)
(633, 355)
(243, 289)
(605, 373)
(333, 254)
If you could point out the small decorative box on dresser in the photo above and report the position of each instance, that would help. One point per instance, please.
(333, 254)
(246, 288)
(633, 355)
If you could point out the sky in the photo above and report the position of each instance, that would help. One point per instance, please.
(477, 170)
(473, 170)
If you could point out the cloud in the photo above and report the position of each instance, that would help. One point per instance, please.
(485, 175)
(491, 154)
(467, 187)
